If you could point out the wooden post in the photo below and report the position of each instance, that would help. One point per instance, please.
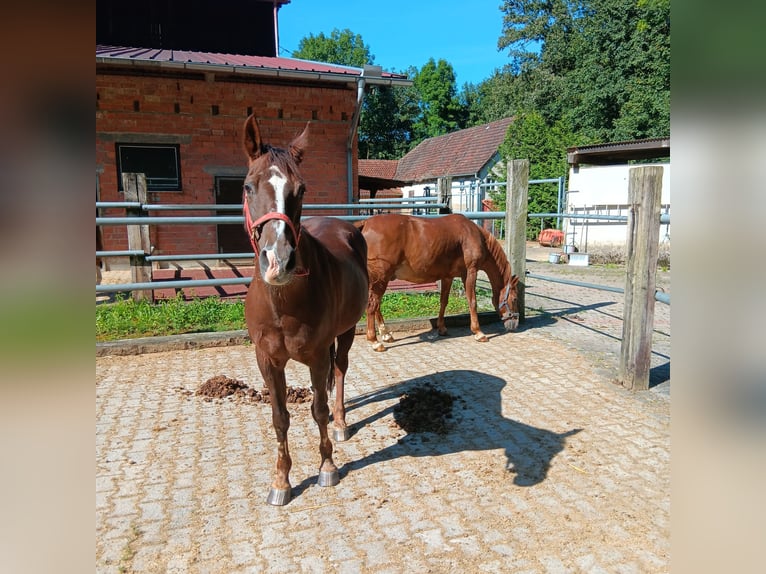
(644, 197)
(444, 191)
(134, 186)
(516, 190)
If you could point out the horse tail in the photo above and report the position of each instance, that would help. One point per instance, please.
(331, 372)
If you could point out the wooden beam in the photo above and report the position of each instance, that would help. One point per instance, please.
(644, 197)
(517, 191)
(134, 186)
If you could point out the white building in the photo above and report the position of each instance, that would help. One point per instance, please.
(598, 185)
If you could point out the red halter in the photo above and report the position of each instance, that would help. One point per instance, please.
(253, 225)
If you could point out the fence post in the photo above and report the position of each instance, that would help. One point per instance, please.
(444, 191)
(644, 197)
(516, 193)
(134, 186)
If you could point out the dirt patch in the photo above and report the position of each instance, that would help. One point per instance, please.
(221, 387)
(424, 409)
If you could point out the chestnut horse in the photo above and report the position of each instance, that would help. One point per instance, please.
(308, 292)
(422, 250)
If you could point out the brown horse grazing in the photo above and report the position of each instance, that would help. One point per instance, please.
(308, 292)
(422, 250)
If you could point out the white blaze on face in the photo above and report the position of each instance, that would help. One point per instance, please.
(278, 182)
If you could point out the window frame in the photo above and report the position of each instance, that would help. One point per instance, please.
(174, 185)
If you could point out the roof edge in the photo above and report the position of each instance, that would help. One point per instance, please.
(260, 71)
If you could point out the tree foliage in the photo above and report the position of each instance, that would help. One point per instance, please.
(529, 137)
(340, 47)
(439, 107)
(603, 66)
(580, 71)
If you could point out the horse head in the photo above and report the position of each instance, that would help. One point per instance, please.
(272, 202)
(508, 307)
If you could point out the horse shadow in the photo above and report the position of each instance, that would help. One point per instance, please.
(476, 424)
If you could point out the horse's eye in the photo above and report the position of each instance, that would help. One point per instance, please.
(248, 187)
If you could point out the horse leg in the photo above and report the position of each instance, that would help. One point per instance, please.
(340, 431)
(320, 372)
(373, 312)
(385, 333)
(470, 293)
(274, 377)
(443, 300)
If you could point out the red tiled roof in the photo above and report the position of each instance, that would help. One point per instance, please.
(140, 55)
(463, 153)
(378, 168)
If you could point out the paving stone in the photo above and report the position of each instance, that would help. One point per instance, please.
(549, 467)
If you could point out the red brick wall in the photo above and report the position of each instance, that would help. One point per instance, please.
(211, 145)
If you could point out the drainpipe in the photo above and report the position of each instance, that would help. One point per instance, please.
(367, 71)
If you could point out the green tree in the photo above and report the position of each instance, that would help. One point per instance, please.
(530, 137)
(440, 110)
(603, 66)
(341, 47)
(386, 124)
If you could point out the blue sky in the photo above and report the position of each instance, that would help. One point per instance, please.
(402, 33)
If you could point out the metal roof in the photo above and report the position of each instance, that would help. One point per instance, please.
(241, 64)
(619, 152)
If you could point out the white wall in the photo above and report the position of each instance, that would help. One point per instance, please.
(603, 190)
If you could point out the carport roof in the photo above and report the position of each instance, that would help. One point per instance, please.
(619, 152)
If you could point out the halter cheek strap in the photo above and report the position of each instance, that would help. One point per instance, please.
(253, 227)
(504, 303)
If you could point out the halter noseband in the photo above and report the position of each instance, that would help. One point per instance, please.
(254, 227)
(504, 303)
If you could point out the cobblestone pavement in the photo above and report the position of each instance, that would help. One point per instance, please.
(547, 467)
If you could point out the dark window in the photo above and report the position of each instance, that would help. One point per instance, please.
(160, 163)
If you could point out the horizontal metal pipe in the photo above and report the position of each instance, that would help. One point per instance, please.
(662, 297)
(104, 288)
(117, 204)
(310, 206)
(192, 207)
(181, 220)
(577, 283)
(123, 253)
(581, 216)
(664, 217)
(306, 206)
(549, 180)
(658, 295)
(400, 199)
(194, 257)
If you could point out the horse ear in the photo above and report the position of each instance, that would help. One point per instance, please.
(251, 138)
(299, 144)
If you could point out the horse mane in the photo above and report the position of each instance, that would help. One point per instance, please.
(497, 254)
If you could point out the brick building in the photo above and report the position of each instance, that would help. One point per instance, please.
(173, 107)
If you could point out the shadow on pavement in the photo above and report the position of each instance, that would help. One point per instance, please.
(477, 424)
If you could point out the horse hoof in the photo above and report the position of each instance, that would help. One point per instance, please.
(328, 478)
(481, 338)
(388, 338)
(278, 496)
(341, 435)
(378, 347)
